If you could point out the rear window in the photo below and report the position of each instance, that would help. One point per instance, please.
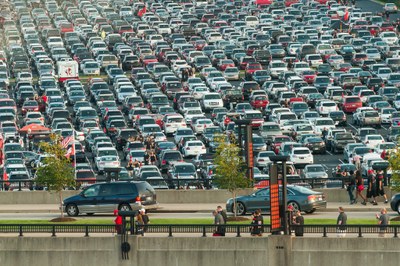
(353, 100)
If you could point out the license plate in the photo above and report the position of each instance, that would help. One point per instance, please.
(316, 148)
(213, 103)
(302, 158)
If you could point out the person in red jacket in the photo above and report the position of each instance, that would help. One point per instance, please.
(118, 222)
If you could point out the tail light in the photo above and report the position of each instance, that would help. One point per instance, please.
(311, 198)
(187, 148)
(163, 162)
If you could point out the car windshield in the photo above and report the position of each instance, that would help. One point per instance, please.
(315, 169)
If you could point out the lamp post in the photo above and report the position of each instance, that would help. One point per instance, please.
(248, 144)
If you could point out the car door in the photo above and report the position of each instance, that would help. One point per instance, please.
(88, 202)
(260, 200)
(105, 199)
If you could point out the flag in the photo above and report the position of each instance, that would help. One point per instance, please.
(142, 11)
(346, 15)
(71, 150)
(65, 142)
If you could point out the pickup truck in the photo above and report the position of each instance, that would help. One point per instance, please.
(340, 141)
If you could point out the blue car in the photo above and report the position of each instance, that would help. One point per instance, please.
(300, 198)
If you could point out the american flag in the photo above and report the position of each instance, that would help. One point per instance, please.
(65, 142)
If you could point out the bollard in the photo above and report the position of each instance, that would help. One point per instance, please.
(20, 231)
(359, 232)
(395, 232)
(169, 231)
(204, 231)
(53, 231)
(238, 231)
(324, 234)
(86, 231)
(19, 186)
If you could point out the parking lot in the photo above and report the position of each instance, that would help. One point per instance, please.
(141, 89)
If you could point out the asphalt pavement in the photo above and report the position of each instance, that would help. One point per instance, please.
(375, 6)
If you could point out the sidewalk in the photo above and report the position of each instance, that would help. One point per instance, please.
(184, 208)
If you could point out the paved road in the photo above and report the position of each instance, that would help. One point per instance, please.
(374, 6)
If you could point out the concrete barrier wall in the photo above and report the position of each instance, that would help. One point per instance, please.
(198, 251)
(163, 196)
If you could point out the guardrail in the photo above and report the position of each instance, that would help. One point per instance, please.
(204, 230)
(192, 183)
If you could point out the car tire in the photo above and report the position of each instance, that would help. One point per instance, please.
(295, 206)
(124, 207)
(72, 210)
(398, 207)
(240, 208)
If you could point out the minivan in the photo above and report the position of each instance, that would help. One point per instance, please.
(107, 197)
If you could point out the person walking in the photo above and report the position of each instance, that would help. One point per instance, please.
(380, 190)
(298, 222)
(383, 222)
(360, 188)
(219, 222)
(145, 219)
(341, 222)
(118, 222)
(153, 158)
(256, 228)
(372, 187)
(224, 217)
(351, 186)
(129, 167)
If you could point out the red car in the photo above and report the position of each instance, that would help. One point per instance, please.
(199, 45)
(259, 101)
(373, 29)
(224, 64)
(147, 59)
(30, 105)
(351, 104)
(251, 68)
(288, 3)
(277, 142)
(344, 67)
(386, 26)
(309, 76)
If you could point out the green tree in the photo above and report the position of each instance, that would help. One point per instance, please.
(57, 172)
(230, 168)
(394, 165)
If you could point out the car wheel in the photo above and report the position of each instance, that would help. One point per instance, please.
(295, 206)
(240, 208)
(310, 211)
(398, 208)
(125, 207)
(72, 210)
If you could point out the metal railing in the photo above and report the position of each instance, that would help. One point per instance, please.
(203, 230)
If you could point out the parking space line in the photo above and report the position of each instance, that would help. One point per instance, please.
(329, 153)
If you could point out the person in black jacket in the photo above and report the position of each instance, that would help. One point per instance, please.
(298, 222)
(341, 222)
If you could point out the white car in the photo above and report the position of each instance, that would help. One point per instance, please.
(324, 107)
(372, 141)
(262, 159)
(301, 155)
(107, 162)
(321, 123)
(277, 67)
(172, 123)
(201, 124)
(189, 114)
(389, 37)
(300, 67)
(386, 146)
(199, 91)
(193, 147)
(384, 72)
(386, 115)
(211, 101)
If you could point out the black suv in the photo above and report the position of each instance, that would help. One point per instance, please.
(107, 197)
